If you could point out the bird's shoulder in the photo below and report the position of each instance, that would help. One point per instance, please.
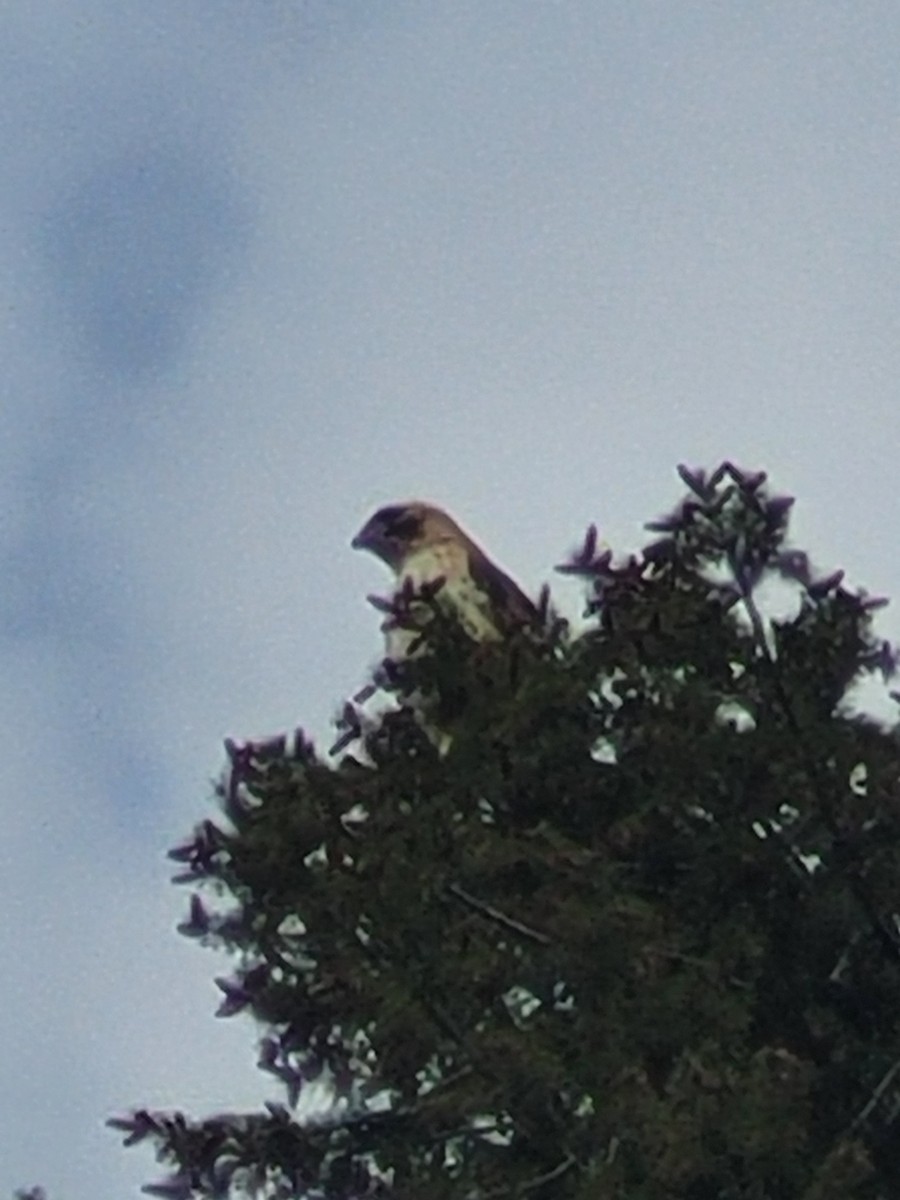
(445, 559)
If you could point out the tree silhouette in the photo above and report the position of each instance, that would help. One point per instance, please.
(635, 935)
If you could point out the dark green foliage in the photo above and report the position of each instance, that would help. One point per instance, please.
(634, 936)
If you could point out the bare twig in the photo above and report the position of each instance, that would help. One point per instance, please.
(702, 964)
(531, 1185)
(872, 1102)
(494, 914)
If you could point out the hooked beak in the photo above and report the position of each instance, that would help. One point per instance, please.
(364, 540)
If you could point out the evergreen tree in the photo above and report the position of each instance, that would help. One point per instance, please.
(634, 936)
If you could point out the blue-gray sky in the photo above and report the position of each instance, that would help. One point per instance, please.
(267, 265)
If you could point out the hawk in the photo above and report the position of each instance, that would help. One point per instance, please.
(429, 552)
(437, 563)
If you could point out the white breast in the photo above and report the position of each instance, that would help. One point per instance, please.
(447, 561)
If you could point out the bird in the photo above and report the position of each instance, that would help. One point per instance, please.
(432, 556)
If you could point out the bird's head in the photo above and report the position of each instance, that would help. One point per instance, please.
(398, 530)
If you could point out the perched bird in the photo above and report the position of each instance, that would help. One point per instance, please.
(428, 552)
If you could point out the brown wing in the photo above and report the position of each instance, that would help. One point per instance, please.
(508, 600)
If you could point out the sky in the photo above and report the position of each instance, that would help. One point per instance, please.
(268, 266)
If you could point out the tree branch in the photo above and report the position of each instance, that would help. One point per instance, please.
(888, 942)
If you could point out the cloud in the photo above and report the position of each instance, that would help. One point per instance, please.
(267, 266)
(134, 250)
